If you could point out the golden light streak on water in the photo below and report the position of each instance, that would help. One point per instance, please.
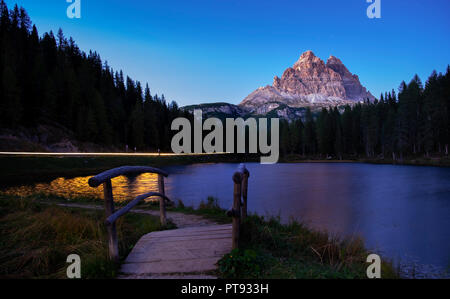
(124, 188)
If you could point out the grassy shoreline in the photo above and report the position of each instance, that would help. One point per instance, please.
(410, 161)
(271, 250)
(36, 238)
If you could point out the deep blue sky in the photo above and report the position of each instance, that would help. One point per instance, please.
(197, 51)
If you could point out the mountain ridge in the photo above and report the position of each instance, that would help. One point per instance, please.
(309, 83)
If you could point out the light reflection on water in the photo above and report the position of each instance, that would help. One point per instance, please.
(124, 187)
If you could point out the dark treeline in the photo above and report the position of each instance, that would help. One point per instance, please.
(49, 79)
(414, 123)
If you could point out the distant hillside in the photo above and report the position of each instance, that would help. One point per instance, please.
(271, 110)
(220, 110)
(48, 138)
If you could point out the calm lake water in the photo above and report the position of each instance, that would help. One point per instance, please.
(402, 212)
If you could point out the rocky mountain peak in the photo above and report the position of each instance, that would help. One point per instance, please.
(308, 61)
(308, 55)
(336, 65)
(334, 59)
(311, 82)
(353, 88)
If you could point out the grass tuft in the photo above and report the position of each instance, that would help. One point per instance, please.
(36, 239)
(269, 249)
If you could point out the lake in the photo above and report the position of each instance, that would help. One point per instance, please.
(402, 212)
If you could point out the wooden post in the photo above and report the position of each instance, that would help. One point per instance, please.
(237, 178)
(244, 194)
(162, 203)
(111, 228)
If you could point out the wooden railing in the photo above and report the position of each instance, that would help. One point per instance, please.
(239, 208)
(111, 215)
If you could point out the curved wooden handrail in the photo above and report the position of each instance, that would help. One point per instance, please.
(125, 170)
(111, 215)
(113, 218)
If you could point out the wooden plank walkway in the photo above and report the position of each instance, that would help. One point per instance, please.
(192, 251)
(189, 252)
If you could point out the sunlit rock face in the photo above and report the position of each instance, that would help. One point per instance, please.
(353, 88)
(310, 83)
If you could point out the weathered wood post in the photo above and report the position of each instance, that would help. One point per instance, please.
(111, 228)
(236, 211)
(162, 203)
(245, 177)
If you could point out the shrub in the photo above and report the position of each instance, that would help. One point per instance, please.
(243, 263)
